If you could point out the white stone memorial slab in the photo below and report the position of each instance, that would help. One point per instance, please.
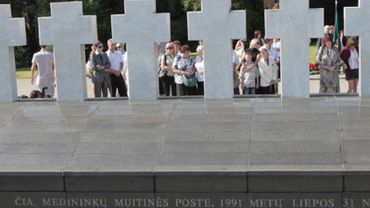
(295, 23)
(140, 27)
(68, 30)
(216, 25)
(356, 23)
(13, 33)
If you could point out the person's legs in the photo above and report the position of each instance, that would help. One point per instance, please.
(98, 88)
(200, 88)
(180, 89)
(349, 77)
(49, 91)
(351, 84)
(272, 89)
(173, 86)
(186, 90)
(47, 86)
(161, 86)
(245, 91)
(193, 90)
(355, 85)
(113, 81)
(121, 86)
(265, 90)
(355, 80)
(190, 90)
(105, 86)
(167, 86)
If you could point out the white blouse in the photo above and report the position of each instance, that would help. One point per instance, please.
(353, 59)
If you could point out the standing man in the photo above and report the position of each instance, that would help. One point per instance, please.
(101, 67)
(44, 62)
(327, 30)
(116, 60)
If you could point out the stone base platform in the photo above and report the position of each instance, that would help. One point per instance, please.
(260, 152)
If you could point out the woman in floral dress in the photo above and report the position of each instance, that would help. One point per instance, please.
(329, 63)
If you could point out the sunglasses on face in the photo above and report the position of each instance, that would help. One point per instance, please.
(170, 48)
(100, 46)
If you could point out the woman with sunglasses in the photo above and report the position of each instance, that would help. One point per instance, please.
(166, 68)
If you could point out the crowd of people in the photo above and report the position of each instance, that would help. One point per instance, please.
(256, 67)
(332, 57)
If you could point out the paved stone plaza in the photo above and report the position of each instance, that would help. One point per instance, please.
(326, 134)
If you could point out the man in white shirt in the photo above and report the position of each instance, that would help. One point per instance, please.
(116, 60)
(44, 62)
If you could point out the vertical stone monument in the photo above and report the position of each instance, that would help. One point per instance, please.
(13, 34)
(295, 23)
(356, 23)
(216, 25)
(140, 27)
(68, 30)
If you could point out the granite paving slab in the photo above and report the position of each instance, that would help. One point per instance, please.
(257, 134)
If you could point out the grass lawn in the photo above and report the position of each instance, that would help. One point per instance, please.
(23, 73)
(313, 51)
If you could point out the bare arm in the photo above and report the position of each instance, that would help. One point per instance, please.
(241, 85)
(33, 69)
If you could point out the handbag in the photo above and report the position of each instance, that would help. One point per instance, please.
(161, 73)
(190, 81)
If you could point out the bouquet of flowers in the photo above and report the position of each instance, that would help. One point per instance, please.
(314, 67)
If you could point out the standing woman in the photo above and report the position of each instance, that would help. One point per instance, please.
(184, 70)
(257, 40)
(350, 57)
(329, 63)
(166, 66)
(268, 72)
(199, 65)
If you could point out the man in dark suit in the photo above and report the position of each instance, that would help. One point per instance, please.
(101, 70)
